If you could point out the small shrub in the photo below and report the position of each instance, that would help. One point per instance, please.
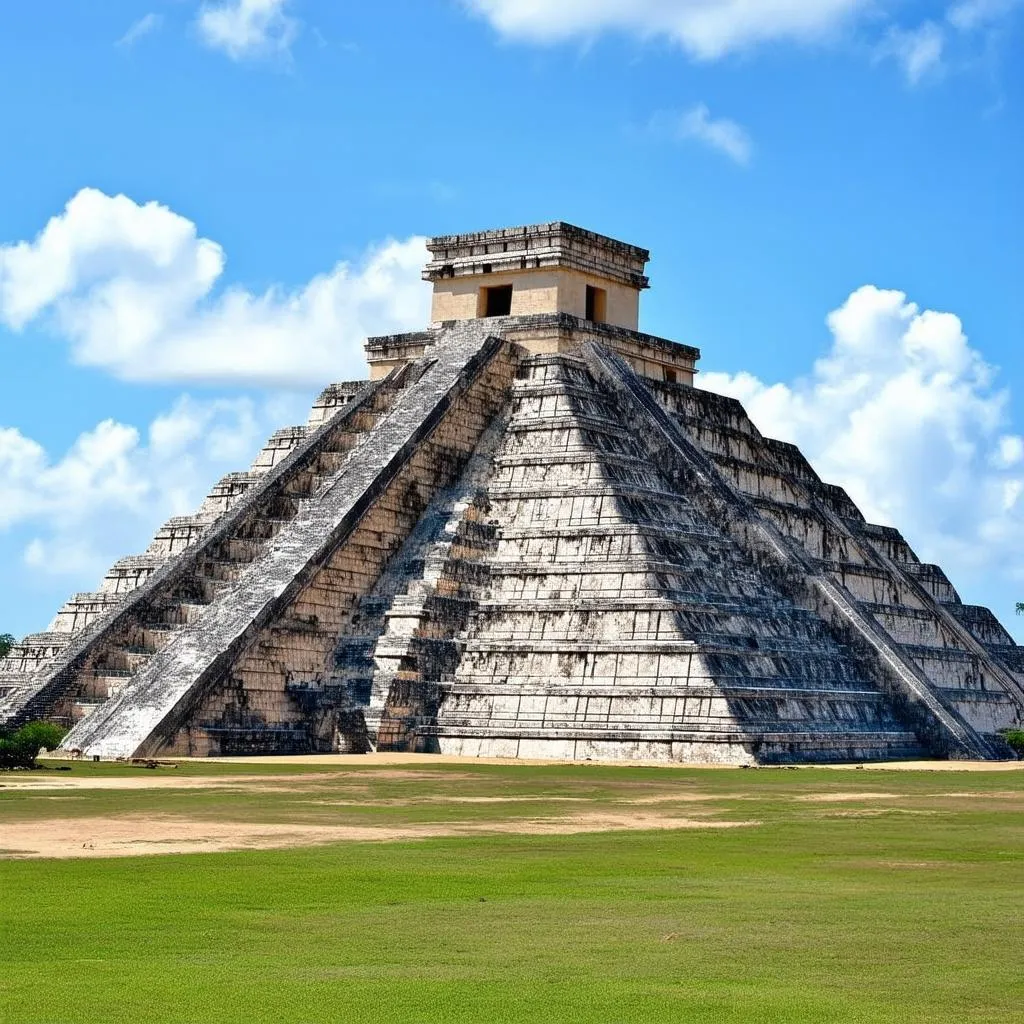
(19, 748)
(1015, 737)
(6, 643)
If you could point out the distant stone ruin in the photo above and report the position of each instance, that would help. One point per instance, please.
(527, 535)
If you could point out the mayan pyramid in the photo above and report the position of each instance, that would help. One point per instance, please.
(527, 535)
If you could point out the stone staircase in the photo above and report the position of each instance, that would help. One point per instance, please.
(620, 622)
(26, 669)
(962, 652)
(400, 633)
(420, 642)
(218, 547)
(254, 604)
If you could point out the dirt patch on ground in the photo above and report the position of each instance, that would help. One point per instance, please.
(444, 799)
(875, 812)
(255, 783)
(168, 779)
(539, 798)
(681, 798)
(604, 822)
(996, 794)
(841, 798)
(134, 835)
(912, 865)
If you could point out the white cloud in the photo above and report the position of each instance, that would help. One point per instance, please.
(116, 484)
(247, 28)
(904, 414)
(918, 51)
(145, 26)
(707, 29)
(723, 135)
(1009, 452)
(133, 289)
(712, 29)
(968, 15)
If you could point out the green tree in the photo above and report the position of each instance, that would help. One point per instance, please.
(19, 748)
(6, 643)
(1020, 607)
(1015, 737)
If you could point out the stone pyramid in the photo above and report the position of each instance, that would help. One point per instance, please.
(528, 535)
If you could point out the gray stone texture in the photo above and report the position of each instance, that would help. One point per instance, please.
(519, 544)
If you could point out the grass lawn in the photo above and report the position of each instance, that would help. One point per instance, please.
(848, 896)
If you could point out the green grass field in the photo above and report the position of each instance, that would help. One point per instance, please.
(848, 896)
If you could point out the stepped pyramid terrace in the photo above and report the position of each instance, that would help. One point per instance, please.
(528, 534)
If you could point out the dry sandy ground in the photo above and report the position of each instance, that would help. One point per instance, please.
(131, 835)
(159, 780)
(134, 834)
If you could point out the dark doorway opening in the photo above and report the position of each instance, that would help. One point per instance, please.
(597, 300)
(498, 300)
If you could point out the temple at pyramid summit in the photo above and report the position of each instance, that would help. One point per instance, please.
(528, 534)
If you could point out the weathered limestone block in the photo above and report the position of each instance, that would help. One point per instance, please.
(127, 574)
(938, 586)
(81, 610)
(178, 534)
(281, 443)
(224, 494)
(33, 651)
(333, 398)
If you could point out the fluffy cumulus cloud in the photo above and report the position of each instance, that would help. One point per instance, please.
(720, 134)
(76, 513)
(711, 29)
(906, 415)
(707, 29)
(247, 28)
(134, 290)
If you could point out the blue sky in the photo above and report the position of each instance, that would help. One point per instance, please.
(209, 205)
